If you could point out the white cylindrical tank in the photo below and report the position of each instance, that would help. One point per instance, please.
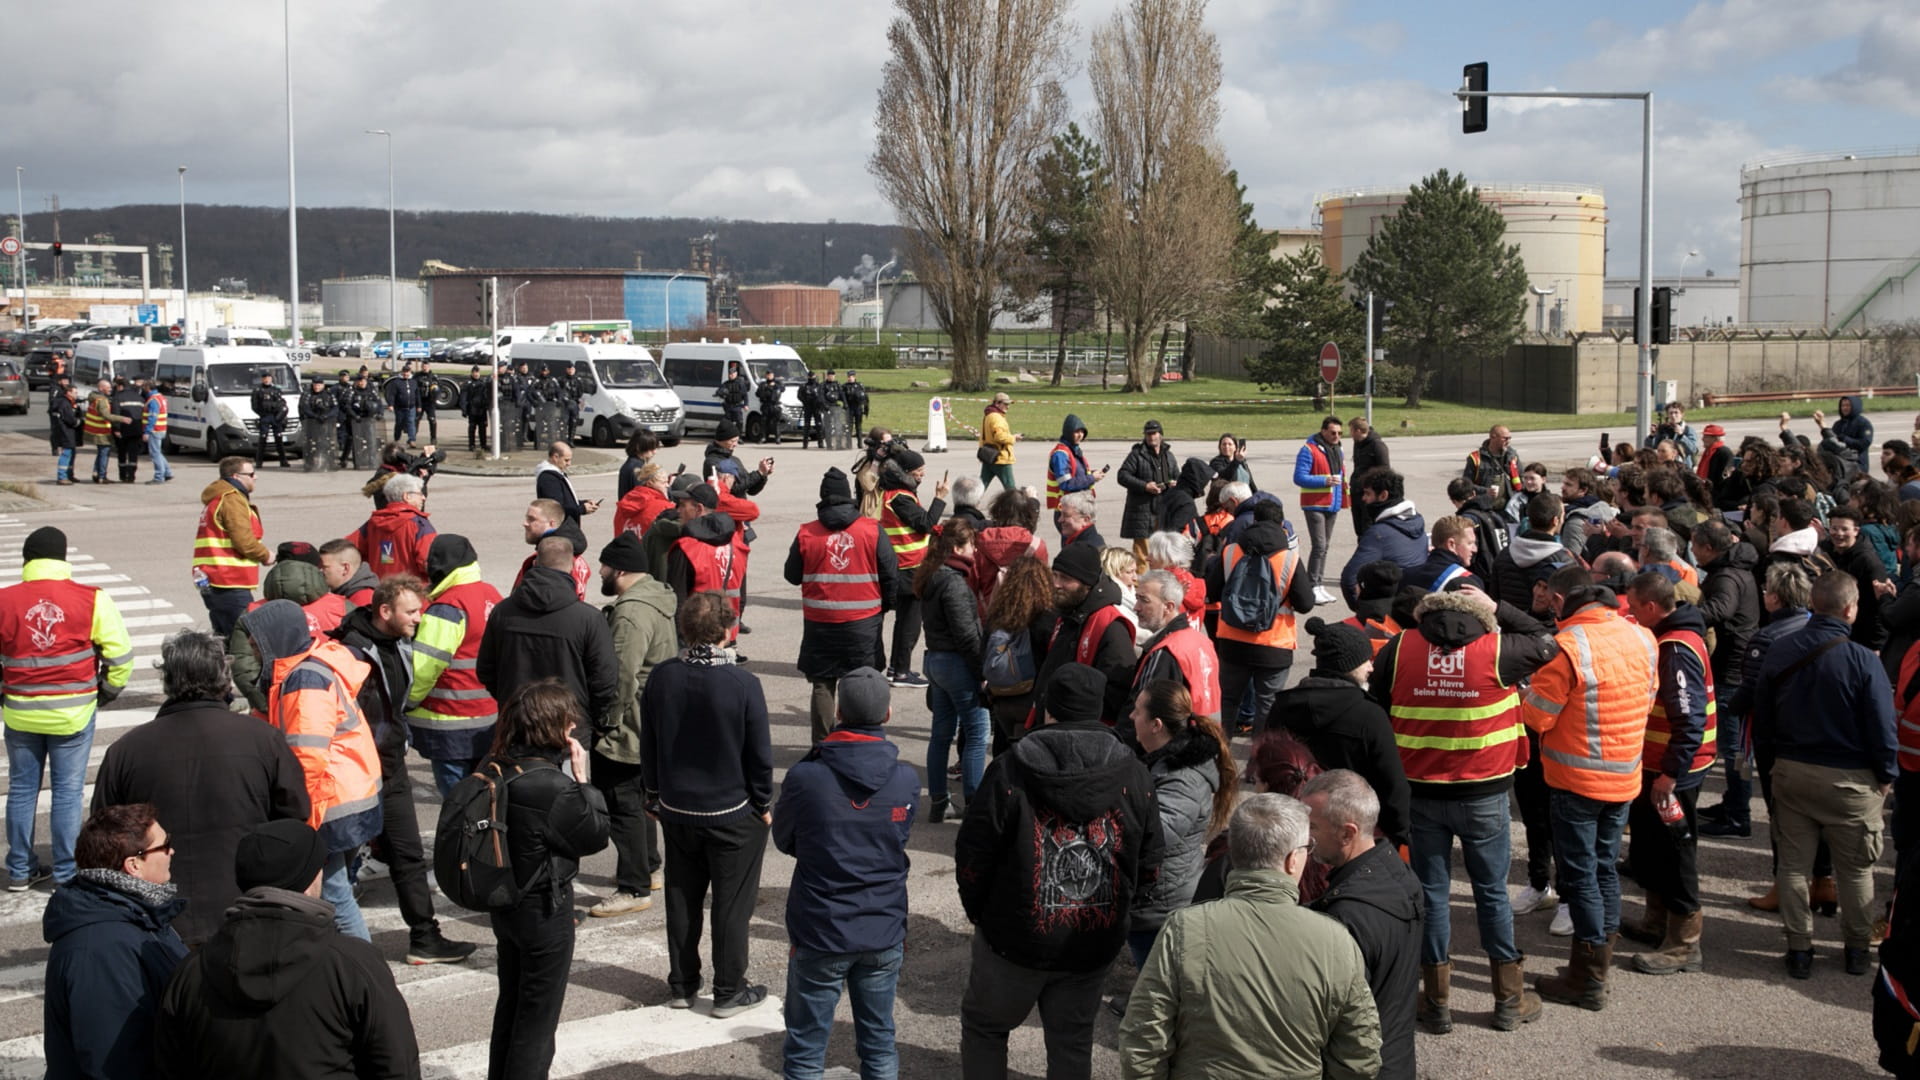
(1561, 230)
(361, 302)
(1831, 240)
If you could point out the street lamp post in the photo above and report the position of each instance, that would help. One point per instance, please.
(393, 281)
(879, 305)
(186, 305)
(293, 226)
(1680, 279)
(26, 320)
(668, 339)
(514, 298)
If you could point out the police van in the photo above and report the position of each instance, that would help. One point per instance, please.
(96, 360)
(621, 388)
(210, 395)
(697, 368)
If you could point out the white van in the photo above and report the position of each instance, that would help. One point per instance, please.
(237, 335)
(697, 368)
(621, 389)
(210, 394)
(96, 360)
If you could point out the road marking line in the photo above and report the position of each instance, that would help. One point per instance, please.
(618, 1038)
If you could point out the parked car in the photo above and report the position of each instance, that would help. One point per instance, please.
(13, 342)
(13, 388)
(39, 364)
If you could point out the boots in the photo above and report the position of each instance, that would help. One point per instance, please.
(1769, 902)
(1824, 896)
(1583, 981)
(1436, 985)
(1513, 1005)
(1651, 930)
(937, 810)
(1680, 951)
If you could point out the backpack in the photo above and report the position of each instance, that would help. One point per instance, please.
(1493, 533)
(472, 853)
(1251, 599)
(1009, 666)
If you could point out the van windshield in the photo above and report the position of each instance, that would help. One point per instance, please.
(785, 368)
(231, 379)
(632, 374)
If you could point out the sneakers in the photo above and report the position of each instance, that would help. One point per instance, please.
(620, 903)
(34, 877)
(906, 678)
(371, 869)
(1562, 922)
(433, 947)
(685, 1002)
(1321, 595)
(1530, 900)
(1725, 827)
(747, 997)
(659, 880)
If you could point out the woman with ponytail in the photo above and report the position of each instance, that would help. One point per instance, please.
(1194, 783)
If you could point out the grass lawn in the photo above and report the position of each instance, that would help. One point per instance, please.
(1188, 412)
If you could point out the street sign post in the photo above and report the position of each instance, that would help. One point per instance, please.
(417, 349)
(9, 246)
(147, 314)
(1329, 368)
(173, 332)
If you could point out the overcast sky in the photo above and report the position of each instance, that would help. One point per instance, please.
(762, 109)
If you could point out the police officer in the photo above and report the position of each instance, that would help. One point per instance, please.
(318, 415)
(270, 406)
(524, 399)
(570, 391)
(856, 395)
(429, 409)
(476, 404)
(403, 394)
(833, 416)
(810, 410)
(368, 406)
(127, 437)
(733, 397)
(551, 400)
(344, 414)
(769, 394)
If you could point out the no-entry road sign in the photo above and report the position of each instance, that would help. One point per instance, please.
(1329, 363)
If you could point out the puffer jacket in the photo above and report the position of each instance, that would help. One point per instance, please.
(1377, 898)
(951, 614)
(1730, 604)
(1140, 517)
(1398, 535)
(113, 949)
(1185, 776)
(553, 821)
(1851, 429)
(1302, 1012)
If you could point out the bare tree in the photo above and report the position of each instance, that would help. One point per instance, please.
(1168, 219)
(969, 101)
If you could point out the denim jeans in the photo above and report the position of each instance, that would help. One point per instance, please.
(406, 423)
(1486, 847)
(225, 605)
(813, 990)
(953, 691)
(448, 773)
(337, 889)
(101, 456)
(1737, 802)
(158, 453)
(63, 464)
(1586, 839)
(27, 755)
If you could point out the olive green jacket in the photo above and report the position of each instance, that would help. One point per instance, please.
(643, 635)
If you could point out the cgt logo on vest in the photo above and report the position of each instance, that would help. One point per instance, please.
(840, 550)
(1447, 665)
(43, 619)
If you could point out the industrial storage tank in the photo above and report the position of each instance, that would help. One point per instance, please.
(363, 303)
(1831, 240)
(789, 305)
(1561, 230)
(657, 300)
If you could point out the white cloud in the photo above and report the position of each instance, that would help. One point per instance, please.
(1712, 37)
(1885, 74)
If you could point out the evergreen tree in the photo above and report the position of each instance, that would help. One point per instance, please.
(1070, 178)
(1312, 309)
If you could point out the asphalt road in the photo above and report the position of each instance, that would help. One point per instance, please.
(1741, 1017)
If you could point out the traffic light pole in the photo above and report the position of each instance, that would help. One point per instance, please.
(1369, 358)
(493, 335)
(1642, 320)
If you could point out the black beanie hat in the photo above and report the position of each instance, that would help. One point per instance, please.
(283, 854)
(836, 489)
(1081, 562)
(625, 554)
(725, 430)
(449, 552)
(909, 459)
(45, 542)
(1075, 692)
(1338, 647)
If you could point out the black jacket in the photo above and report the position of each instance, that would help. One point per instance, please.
(951, 614)
(63, 429)
(1778, 624)
(1369, 453)
(895, 482)
(1139, 518)
(1900, 617)
(706, 753)
(1113, 657)
(830, 650)
(1863, 564)
(111, 955)
(1332, 716)
(1179, 508)
(279, 992)
(553, 821)
(1378, 900)
(1730, 604)
(746, 482)
(1514, 568)
(211, 774)
(1061, 837)
(269, 402)
(383, 694)
(542, 630)
(401, 393)
(1260, 541)
(714, 529)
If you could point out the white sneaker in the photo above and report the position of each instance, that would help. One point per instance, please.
(1321, 595)
(1562, 922)
(1530, 899)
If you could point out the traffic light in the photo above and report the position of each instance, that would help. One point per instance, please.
(1473, 110)
(1382, 307)
(57, 245)
(483, 308)
(1659, 317)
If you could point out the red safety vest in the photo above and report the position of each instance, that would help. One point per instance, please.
(909, 545)
(1198, 665)
(1085, 648)
(159, 414)
(46, 630)
(1453, 720)
(1279, 635)
(94, 422)
(1321, 467)
(213, 549)
(717, 568)
(1658, 733)
(840, 572)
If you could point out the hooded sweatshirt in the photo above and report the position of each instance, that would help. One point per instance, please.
(279, 992)
(1058, 842)
(359, 588)
(291, 579)
(1852, 430)
(1179, 507)
(1515, 569)
(1067, 465)
(278, 630)
(844, 815)
(543, 631)
(1398, 535)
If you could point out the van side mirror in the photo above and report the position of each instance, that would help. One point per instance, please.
(199, 391)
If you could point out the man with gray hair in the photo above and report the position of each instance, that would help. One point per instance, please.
(1373, 894)
(1304, 1010)
(966, 493)
(1075, 519)
(211, 774)
(396, 539)
(1177, 650)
